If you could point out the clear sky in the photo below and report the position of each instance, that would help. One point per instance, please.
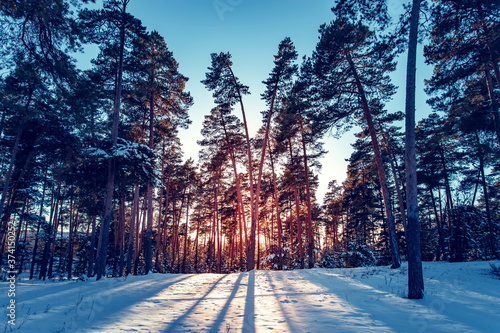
(251, 31)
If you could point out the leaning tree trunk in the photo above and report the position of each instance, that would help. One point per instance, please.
(241, 208)
(380, 167)
(399, 193)
(250, 170)
(253, 226)
(415, 274)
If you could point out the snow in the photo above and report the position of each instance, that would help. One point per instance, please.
(459, 297)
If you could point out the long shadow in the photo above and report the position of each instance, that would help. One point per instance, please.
(392, 313)
(174, 325)
(286, 316)
(70, 288)
(249, 317)
(220, 318)
(149, 291)
(102, 303)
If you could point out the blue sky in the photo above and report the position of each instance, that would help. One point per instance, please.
(251, 31)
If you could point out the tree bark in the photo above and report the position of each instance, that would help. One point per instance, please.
(218, 237)
(121, 239)
(131, 237)
(253, 226)
(278, 217)
(186, 233)
(380, 167)
(494, 104)
(441, 251)
(250, 170)
(198, 223)
(415, 274)
(9, 174)
(310, 239)
(102, 249)
(297, 213)
(148, 244)
(491, 227)
(241, 208)
(397, 184)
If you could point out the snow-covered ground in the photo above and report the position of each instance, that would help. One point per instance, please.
(459, 297)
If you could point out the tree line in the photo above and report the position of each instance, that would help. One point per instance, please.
(93, 176)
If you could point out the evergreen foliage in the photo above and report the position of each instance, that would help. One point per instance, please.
(93, 179)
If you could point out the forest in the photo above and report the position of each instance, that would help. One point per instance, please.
(94, 182)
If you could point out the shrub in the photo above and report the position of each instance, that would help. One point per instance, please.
(353, 255)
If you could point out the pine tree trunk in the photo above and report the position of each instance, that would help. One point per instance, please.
(71, 245)
(397, 184)
(297, 214)
(278, 218)
(158, 245)
(449, 198)
(415, 274)
(57, 213)
(186, 233)
(25, 236)
(164, 229)
(102, 249)
(132, 232)
(496, 70)
(18, 232)
(90, 268)
(494, 104)
(9, 175)
(176, 223)
(35, 246)
(310, 239)
(241, 208)
(440, 250)
(149, 230)
(491, 228)
(253, 226)
(173, 243)
(380, 168)
(121, 238)
(217, 230)
(93, 237)
(299, 227)
(140, 235)
(196, 243)
(250, 170)
(48, 241)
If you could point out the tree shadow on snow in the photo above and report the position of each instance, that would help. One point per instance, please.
(174, 326)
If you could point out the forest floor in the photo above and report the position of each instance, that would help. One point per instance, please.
(459, 297)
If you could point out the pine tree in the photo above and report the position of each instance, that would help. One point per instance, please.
(158, 88)
(352, 66)
(463, 39)
(227, 89)
(278, 82)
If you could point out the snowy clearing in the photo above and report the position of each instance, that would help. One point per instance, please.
(460, 297)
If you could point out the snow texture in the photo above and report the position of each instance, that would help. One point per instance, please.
(459, 297)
